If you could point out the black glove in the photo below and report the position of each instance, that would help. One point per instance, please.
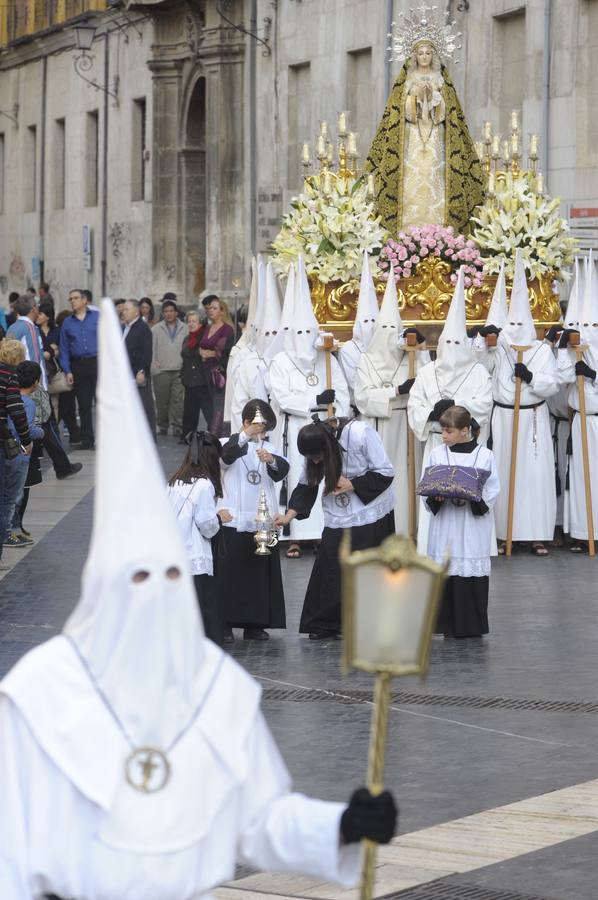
(420, 337)
(473, 332)
(406, 386)
(478, 507)
(522, 371)
(564, 341)
(439, 408)
(582, 368)
(485, 330)
(552, 333)
(326, 397)
(369, 817)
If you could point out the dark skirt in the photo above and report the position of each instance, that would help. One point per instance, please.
(322, 604)
(249, 586)
(207, 597)
(464, 607)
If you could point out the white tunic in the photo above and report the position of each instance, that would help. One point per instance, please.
(348, 357)
(293, 396)
(75, 828)
(535, 491)
(577, 515)
(248, 384)
(241, 497)
(195, 508)
(363, 452)
(471, 389)
(454, 530)
(387, 413)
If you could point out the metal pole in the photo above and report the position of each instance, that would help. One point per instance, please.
(103, 263)
(546, 91)
(253, 187)
(42, 174)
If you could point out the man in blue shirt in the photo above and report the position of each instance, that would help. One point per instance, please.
(79, 359)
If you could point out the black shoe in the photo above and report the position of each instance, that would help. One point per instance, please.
(327, 635)
(74, 439)
(75, 467)
(255, 634)
(229, 637)
(87, 445)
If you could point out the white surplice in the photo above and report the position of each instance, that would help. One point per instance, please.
(195, 508)
(454, 531)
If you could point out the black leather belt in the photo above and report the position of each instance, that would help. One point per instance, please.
(522, 406)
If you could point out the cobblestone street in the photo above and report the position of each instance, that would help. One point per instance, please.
(493, 759)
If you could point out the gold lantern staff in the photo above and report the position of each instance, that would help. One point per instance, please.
(390, 598)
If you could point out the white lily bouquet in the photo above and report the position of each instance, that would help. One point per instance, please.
(331, 230)
(519, 217)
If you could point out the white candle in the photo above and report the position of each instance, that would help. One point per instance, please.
(330, 154)
(327, 182)
(506, 153)
(533, 146)
(321, 147)
(352, 144)
(515, 144)
(342, 123)
(371, 185)
(324, 130)
(305, 155)
(487, 132)
(495, 147)
(514, 120)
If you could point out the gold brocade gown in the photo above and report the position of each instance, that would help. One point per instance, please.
(424, 157)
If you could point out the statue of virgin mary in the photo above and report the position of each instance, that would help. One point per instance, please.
(423, 158)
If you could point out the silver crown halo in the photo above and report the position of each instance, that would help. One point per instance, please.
(422, 24)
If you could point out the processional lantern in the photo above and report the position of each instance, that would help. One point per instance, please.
(390, 598)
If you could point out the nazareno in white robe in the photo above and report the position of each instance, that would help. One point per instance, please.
(471, 388)
(71, 825)
(576, 498)
(386, 411)
(294, 401)
(454, 531)
(534, 513)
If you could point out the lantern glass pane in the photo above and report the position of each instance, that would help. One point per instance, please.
(391, 611)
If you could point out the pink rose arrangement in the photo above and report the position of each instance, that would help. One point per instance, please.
(417, 242)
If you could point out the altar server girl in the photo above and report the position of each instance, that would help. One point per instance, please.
(350, 459)
(194, 490)
(463, 530)
(454, 378)
(382, 386)
(250, 586)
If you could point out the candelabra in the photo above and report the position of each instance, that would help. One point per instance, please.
(333, 166)
(501, 157)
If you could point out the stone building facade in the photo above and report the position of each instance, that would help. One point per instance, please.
(180, 156)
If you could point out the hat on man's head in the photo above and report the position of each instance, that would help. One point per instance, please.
(169, 298)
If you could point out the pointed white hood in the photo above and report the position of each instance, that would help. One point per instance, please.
(366, 313)
(383, 351)
(269, 321)
(303, 333)
(143, 642)
(497, 314)
(454, 356)
(256, 293)
(278, 345)
(576, 297)
(520, 329)
(588, 321)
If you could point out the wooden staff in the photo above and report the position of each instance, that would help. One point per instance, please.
(328, 345)
(516, 407)
(411, 349)
(581, 390)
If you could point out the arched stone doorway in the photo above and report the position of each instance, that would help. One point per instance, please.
(193, 158)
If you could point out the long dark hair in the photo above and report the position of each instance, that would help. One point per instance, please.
(202, 460)
(320, 440)
(252, 406)
(48, 309)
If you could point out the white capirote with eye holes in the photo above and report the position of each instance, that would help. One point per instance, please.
(454, 356)
(519, 330)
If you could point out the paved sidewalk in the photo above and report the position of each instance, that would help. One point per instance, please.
(493, 759)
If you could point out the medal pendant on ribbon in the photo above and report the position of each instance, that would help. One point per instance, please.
(387, 384)
(147, 770)
(312, 379)
(342, 500)
(253, 476)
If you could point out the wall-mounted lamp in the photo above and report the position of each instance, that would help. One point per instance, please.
(85, 34)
